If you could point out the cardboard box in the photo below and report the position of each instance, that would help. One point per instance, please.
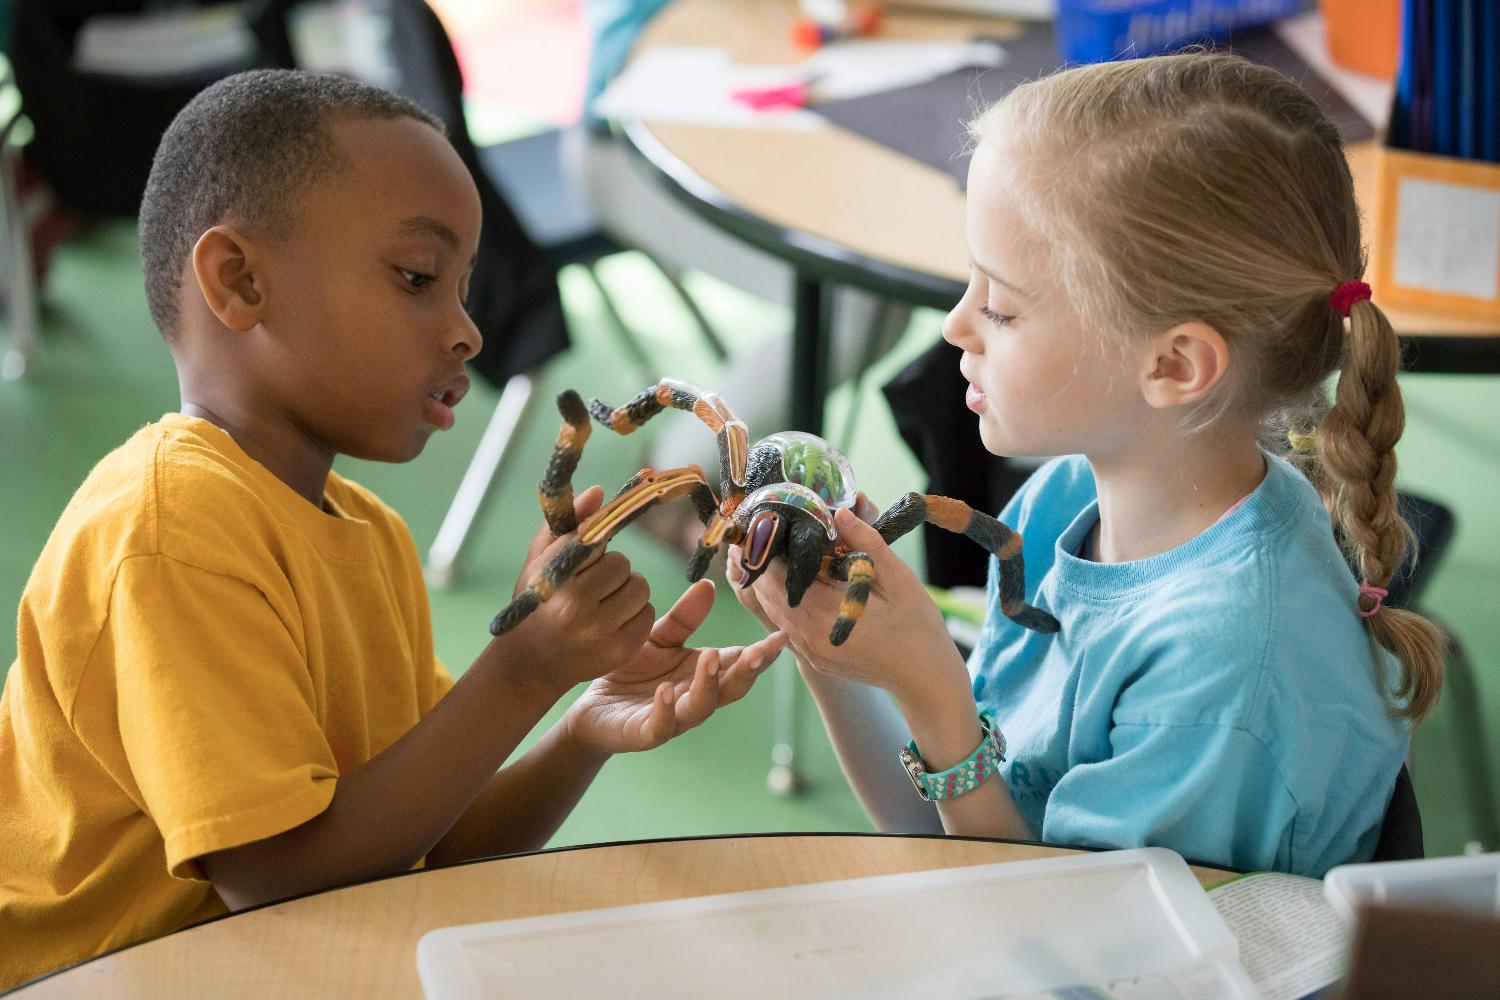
(1436, 234)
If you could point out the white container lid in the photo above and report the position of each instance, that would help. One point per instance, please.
(1470, 884)
(988, 930)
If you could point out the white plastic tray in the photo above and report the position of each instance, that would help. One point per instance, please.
(1136, 918)
(1470, 884)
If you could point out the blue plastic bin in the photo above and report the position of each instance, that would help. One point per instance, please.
(1101, 30)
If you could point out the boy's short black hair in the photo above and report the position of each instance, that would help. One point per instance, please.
(240, 152)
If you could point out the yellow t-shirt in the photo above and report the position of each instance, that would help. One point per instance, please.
(202, 653)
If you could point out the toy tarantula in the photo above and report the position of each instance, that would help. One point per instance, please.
(779, 499)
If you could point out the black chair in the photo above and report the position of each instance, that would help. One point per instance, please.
(1401, 829)
(1432, 525)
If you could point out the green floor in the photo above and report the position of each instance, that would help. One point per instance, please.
(103, 371)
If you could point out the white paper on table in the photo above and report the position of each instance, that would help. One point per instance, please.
(694, 84)
(863, 66)
(1292, 941)
(1026, 10)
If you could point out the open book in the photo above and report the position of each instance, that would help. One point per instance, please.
(1293, 943)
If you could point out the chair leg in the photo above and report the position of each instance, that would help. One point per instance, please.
(622, 331)
(710, 336)
(20, 291)
(890, 322)
(784, 778)
(463, 513)
(1473, 748)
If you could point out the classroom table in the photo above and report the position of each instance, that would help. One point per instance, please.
(361, 941)
(842, 209)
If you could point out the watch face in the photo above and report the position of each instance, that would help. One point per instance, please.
(997, 742)
(914, 771)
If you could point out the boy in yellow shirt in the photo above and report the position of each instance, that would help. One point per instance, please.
(226, 691)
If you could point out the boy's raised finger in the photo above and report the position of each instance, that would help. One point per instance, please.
(661, 720)
(702, 695)
(685, 615)
(742, 667)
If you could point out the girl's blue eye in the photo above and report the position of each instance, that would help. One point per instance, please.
(416, 279)
(994, 317)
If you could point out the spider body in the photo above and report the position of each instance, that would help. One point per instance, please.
(778, 501)
(794, 482)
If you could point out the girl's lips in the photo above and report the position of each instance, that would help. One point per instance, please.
(974, 398)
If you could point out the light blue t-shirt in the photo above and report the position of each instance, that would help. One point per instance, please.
(1221, 698)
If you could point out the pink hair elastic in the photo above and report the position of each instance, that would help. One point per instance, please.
(1343, 297)
(1369, 590)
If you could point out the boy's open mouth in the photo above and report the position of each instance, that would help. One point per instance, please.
(440, 402)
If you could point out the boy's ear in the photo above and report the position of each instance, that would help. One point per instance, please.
(1184, 364)
(226, 265)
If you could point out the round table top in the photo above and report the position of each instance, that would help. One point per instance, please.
(361, 941)
(861, 212)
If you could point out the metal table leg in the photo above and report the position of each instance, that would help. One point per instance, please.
(809, 386)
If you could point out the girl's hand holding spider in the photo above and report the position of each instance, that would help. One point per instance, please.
(901, 644)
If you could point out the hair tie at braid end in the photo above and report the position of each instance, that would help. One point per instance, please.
(1367, 589)
(1343, 297)
(1302, 444)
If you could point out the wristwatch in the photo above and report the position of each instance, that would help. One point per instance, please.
(964, 776)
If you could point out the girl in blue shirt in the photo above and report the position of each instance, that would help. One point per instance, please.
(1165, 255)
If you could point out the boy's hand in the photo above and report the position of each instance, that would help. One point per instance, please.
(598, 618)
(668, 688)
(900, 644)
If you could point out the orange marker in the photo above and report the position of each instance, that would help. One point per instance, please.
(862, 19)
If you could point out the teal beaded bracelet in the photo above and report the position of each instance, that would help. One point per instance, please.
(964, 776)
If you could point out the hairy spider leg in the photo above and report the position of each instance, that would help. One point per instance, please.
(732, 434)
(542, 586)
(646, 488)
(958, 517)
(859, 571)
(556, 488)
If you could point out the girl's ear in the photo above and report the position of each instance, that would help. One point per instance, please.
(1184, 364)
(226, 266)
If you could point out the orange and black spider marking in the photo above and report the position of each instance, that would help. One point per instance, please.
(646, 488)
(859, 571)
(556, 488)
(670, 393)
(958, 517)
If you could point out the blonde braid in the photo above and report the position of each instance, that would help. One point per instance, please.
(1356, 444)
